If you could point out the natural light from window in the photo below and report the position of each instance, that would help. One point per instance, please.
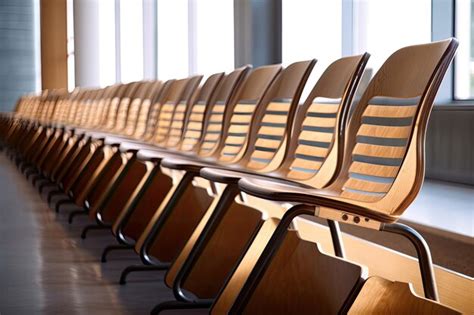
(172, 41)
(464, 71)
(131, 40)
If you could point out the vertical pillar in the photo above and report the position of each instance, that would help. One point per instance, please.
(257, 32)
(53, 21)
(149, 39)
(86, 43)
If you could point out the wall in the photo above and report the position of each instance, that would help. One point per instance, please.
(450, 145)
(18, 66)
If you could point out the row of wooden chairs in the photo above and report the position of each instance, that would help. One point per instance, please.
(221, 184)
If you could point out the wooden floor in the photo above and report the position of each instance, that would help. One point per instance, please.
(45, 268)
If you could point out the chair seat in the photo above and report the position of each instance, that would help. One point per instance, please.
(286, 191)
(190, 165)
(233, 176)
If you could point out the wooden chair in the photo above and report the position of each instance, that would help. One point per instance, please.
(110, 186)
(252, 89)
(381, 296)
(190, 272)
(381, 174)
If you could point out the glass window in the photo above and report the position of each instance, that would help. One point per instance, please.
(311, 29)
(383, 26)
(131, 40)
(214, 36)
(107, 42)
(464, 65)
(172, 39)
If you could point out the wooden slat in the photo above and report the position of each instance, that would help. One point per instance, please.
(273, 131)
(319, 122)
(278, 106)
(268, 143)
(316, 136)
(235, 140)
(379, 150)
(384, 131)
(263, 154)
(359, 184)
(312, 165)
(244, 108)
(360, 197)
(279, 119)
(323, 108)
(241, 119)
(390, 111)
(373, 170)
(239, 129)
(313, 151)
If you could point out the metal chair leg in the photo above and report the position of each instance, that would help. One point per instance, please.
(76, 213)
(178, 305)
(424, 256)
(110, 248)
(265, 258)
(44, 185)
(62, 202)
(53, 193)
(93, 227)
(129, 269)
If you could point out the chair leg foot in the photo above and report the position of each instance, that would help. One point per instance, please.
(93, 227)
(53, 193)
(62, 202)
(177, 305)
(110, 248)
(129, 269)
(75, 213)
(44, 185)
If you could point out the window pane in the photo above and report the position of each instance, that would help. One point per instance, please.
(214, 36)
(311, 29)
(383, 26)
(172, 39)
(107, 42)
(131, 40)
(464, 71)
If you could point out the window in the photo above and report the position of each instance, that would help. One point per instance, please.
(464, 64)
(107, 42)
(131, 40)
(214, 51)
(172, 40)
(383, 26)
(311, 29)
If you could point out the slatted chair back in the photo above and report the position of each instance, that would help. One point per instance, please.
(154, 111)
(190, 95)
(134, 108)
(384, 161)
(150, 97)
(239, 113)
(123, 107)
(174, 107)
(90, 111)
(381, 296)
(214, 116)
(114, 106)
(315, 152)
(104, 104)
(272, 121)
(196, 113)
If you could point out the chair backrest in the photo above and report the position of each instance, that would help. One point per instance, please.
(315, 152)
(151, 95)
(124, 105)
(214, 116)
(134, 107)
(114, 105)
(384, 156)
(173, 108)
(196, 112)
(155, 107)
(272, 121)
(381, 296)
(240, 110)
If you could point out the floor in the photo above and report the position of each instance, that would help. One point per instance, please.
(45, 268)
